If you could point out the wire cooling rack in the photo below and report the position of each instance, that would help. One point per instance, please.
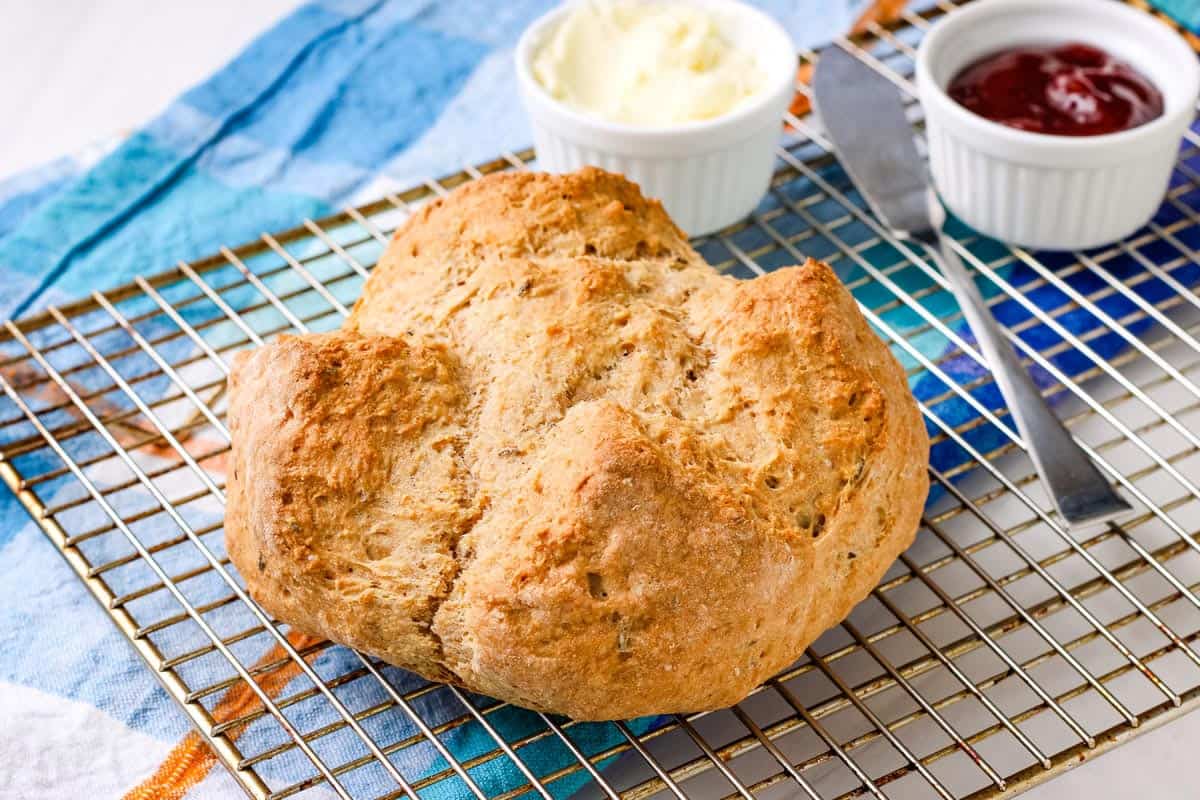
(999, 650)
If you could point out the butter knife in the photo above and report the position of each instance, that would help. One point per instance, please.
(863, 116)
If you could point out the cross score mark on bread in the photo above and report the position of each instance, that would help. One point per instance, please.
(556, 458)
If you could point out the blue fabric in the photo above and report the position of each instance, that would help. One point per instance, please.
(1186, 12)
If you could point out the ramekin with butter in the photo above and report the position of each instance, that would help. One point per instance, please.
(685, 97)
(645, 64)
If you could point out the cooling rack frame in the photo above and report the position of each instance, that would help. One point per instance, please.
(855, 719)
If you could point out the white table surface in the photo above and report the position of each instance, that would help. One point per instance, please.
(76, 71)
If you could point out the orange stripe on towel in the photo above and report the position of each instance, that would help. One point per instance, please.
(190, 761)
(881, 12)
(185, 766)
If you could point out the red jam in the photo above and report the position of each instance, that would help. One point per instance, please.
(1064, 90)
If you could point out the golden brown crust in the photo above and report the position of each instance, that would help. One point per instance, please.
(555, 457)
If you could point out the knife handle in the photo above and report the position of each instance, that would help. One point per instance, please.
(1079, 491)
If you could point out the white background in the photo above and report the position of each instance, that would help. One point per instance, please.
(76, 71)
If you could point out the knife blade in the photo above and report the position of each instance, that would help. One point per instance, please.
(864, 118)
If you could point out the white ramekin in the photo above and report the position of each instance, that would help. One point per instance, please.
(707, 174)
(1053, 192)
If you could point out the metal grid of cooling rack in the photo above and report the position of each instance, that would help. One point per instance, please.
(999, 650)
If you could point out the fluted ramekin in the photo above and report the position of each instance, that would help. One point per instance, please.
(708, 174)
(1039, 190)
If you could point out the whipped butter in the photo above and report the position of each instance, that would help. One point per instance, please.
(645, 63)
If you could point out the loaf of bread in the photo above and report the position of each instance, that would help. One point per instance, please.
(556, 458)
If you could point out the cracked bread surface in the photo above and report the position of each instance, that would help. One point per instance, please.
(556, 458)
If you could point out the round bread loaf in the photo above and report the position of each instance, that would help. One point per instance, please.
(556, 458)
